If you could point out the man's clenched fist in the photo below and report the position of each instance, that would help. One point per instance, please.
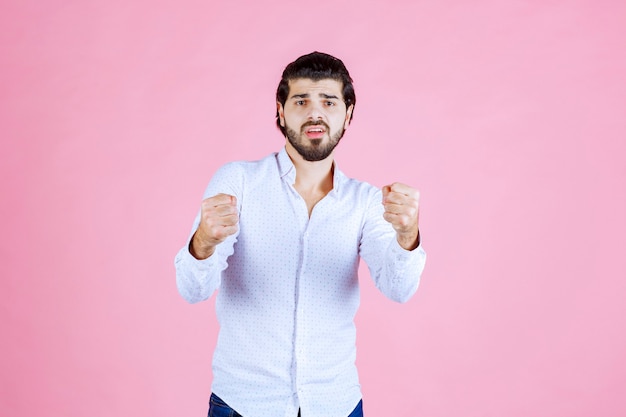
(401, 204)
(218, 220)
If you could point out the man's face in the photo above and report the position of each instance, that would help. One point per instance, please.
(314, 116)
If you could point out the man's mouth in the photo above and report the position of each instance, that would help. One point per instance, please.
(316, 131)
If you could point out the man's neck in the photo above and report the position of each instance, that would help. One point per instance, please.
(312, 177)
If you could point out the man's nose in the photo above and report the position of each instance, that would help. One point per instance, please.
(315, 112)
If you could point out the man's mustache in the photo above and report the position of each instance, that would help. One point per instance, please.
(315, 123)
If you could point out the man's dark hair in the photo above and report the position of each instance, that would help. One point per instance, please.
(315, 66)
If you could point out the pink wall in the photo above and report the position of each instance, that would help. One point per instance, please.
(509, 116)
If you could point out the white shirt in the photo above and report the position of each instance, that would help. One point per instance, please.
(288, 288)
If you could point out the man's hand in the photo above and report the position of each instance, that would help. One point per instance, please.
(218, 220)
(401, 204)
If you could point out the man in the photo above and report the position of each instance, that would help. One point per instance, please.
(281, 239)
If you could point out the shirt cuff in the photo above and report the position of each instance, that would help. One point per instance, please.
(195, 265)
(404, 257)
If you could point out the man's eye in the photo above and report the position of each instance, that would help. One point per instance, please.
(300, 103)
(330, 103)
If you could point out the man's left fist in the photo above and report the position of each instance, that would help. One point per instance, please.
(401, 204)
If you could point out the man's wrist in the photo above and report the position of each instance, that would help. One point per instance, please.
(409, 241)
(198, 251)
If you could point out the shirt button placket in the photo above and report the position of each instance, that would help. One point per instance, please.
(300, 322)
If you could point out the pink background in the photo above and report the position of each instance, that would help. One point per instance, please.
(509, 116)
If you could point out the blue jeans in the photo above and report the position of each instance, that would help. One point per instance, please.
(218, 408)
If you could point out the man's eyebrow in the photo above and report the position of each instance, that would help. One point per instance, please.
(300, 96)
(306, 95)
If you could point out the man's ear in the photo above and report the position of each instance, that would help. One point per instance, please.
(281, 113)
(348, 116)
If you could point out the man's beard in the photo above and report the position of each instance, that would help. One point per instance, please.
(316, 151)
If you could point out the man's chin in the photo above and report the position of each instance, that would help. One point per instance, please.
(312, 149)
(313, 153)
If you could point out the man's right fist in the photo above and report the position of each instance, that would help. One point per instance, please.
(218, 220)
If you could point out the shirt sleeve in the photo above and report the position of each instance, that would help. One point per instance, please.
(196, 279)
(395, 270)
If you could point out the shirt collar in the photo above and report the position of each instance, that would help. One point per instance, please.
(288, 171)
(285, 166)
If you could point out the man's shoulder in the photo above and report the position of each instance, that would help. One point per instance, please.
(245, 166)
(355, 187)
(236, 176)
